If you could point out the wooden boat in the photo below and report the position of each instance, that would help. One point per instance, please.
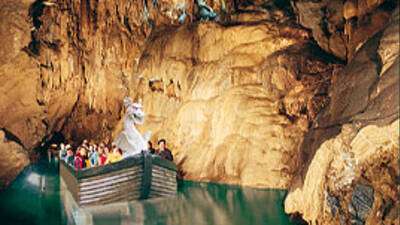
(138, 177)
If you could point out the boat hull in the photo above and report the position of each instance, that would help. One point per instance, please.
(133, 178)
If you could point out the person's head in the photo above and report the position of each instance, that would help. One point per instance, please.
(106, 150)
(70, 152)
(162, 144)
(82, 151)
(102, 145)
(100, 150)
(62, 146)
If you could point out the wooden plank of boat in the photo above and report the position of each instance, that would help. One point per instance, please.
(159, 178)
(164, 169)
(113, 184)
(124, 190)
(102, 180)
(135, 169)
(162, 174)
(133, 183)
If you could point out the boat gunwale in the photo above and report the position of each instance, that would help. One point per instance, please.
(124, 163)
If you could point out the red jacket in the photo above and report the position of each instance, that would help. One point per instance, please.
(78, 162)
(102, 159)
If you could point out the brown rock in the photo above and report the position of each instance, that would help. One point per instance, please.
(246, 95)
(12, 160)
(365, 150)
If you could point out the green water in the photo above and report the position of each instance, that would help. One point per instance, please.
(34, 199)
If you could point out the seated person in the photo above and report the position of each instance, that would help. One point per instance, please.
(85, 143)
(85, 157)
(107, 151)
(63, 152)
(115, 156)
(93, 158)
(70, 156)
(102, 157)
(79, 161)
(163, 151)
(151, 149)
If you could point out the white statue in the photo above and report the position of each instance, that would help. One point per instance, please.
(130, 141)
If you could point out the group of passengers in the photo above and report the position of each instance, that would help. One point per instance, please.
(90, 154)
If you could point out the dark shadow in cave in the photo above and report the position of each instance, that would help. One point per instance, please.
(35, 12)
(56, 138)
(11, 137)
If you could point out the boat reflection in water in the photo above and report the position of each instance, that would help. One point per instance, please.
(196, 203)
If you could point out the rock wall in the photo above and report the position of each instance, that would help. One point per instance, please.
(235, 101)
(57, 66)
(78, 59)
(353, 176)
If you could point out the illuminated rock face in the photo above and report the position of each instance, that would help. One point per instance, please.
(255, 101)
(356, 142)
(237, 100)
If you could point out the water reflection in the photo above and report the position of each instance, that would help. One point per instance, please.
(195, 204)
(34, 198)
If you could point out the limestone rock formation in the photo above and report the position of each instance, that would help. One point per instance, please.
(245, 98)
(361, 124)
(59, 72)
(11, 162)
(340, 27)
